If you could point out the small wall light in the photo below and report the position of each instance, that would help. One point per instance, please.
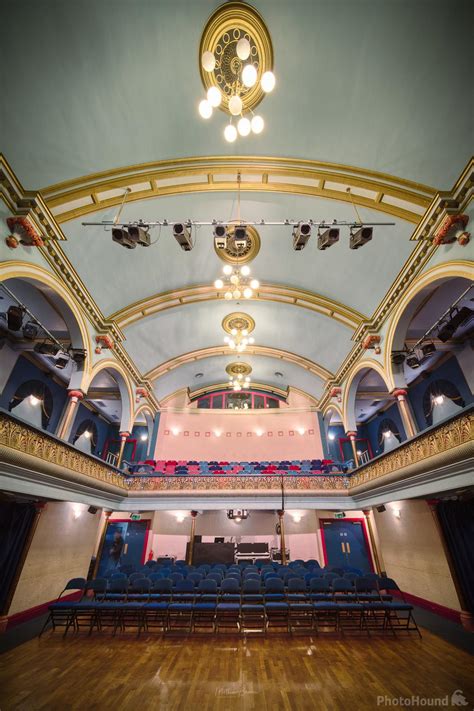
(76, 511)
(331, 436)
(34, 400)
(439, 399)
(180, 517)
(175, 431)
(301, 430)
(217, 433)
(259, 433)
(397, 513)
(144, 437)
(87, 434)
(296, 517)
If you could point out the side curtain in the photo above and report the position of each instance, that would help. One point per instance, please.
(457, 521)
(15, 524)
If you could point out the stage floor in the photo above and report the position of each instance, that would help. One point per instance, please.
(228, 672)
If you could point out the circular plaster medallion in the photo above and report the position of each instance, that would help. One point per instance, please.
(238, 368)
(238, 320)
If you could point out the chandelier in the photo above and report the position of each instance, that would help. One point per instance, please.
(236, 282)
(236, 62)
(239, 382)
(239, 339)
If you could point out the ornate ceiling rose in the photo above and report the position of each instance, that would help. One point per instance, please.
(230, 23)
(238, 368)
(238, 320)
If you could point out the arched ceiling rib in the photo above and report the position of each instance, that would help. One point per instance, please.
(266, 292)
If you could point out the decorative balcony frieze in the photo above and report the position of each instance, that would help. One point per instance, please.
(19, 443)
(237, 483)
(449, 442)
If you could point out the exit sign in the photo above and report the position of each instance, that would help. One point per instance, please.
(339, 514)
(135, 517)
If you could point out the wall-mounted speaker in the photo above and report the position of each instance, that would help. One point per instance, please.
(381, 508)
(92, 509)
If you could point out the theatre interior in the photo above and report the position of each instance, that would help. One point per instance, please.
(236, 355)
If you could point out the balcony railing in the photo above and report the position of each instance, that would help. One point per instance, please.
(20, 441)
(216, 482)
(447, 442)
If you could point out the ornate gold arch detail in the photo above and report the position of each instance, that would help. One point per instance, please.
(238, 368)
(400, 198)
(266, 292)
(213, 351)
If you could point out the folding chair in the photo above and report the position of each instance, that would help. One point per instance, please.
(61, 612)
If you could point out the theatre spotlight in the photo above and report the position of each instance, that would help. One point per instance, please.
(51, 349)
(360, 237)
(240, 237)
(328, 237)
(220, 236)
(428, 349)
(398, 357)
(121, 236)
(413, 361)
(15, 318)
(456, 318)
(182, 234)
(30, 330)
(78, 355)
(301, 235)
(62, 361)
(139, 234)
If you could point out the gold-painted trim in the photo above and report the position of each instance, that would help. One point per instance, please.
(213, 351)
(237, 15)
(238, 368)
(244, 320)
(156, 303)
(82, 196)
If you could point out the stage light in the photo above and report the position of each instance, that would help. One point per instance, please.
(51, 349)
(15, 318)
(301, 235)
(139, 234)
(78, 355)
(398, 357)
(456, 319)
(182, 234)
(328, 237)
(121, 236)
(240, 238)
(412, 361)
(220, 236)
(428, 349)
(62, 361)
(360, 237)
(30, 330)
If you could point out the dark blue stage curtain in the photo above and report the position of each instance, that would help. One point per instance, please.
(15, 524)
(457, 521)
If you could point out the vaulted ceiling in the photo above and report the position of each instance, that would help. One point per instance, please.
(107, 85)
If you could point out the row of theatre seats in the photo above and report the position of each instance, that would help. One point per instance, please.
(298, 467)
(247, 598)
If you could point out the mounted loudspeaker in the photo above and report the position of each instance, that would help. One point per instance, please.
(92, 509)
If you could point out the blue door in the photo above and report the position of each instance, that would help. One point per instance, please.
(124, 544)
(346, 544)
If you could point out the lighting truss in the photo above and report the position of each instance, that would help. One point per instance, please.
(319, 224)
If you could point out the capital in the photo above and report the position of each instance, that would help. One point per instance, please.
(399, 393)
(280, 513)
(351, 435)
(77, 394)
(194, 514)
(124, 435)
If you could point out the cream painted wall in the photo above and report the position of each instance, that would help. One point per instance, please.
(413, 553)
(61, 549)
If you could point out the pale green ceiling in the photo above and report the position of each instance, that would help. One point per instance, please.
(95, 84)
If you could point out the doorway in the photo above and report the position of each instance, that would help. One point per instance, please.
(345, 543)
(124, 544)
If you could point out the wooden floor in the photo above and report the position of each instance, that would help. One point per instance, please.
(227, 672)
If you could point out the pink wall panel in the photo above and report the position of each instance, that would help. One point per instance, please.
(216, 435)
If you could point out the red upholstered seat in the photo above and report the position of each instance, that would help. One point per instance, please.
(294, 468)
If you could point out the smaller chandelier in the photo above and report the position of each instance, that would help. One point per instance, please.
(237, 282)
(239, 339)
(239, 382)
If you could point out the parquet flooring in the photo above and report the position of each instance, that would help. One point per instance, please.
(224, 673)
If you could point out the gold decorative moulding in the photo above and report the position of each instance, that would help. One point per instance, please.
(238, 320)
(225, 27)
(238, 368)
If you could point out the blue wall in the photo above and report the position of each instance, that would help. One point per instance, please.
(104, 429)
(449, 370)
(25, 370)
(333, 445)
(370, 429)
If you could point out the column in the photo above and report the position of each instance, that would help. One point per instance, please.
(353, 436)
(123, 438)
(191, 540)
(67, 419)
(281, 516)
(467, 618)
(373, 545)
(405, 412)
(39, 508)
